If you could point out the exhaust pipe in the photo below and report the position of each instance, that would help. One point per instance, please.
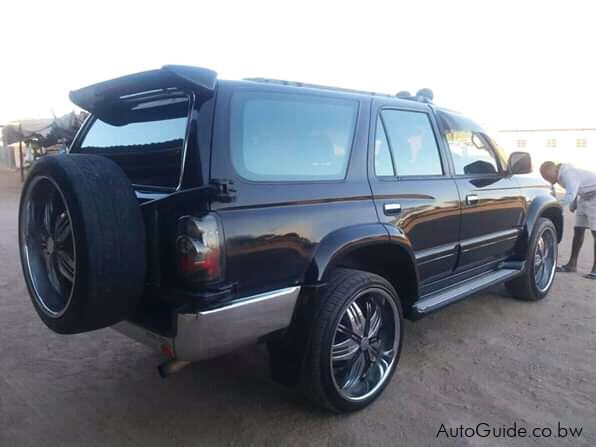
(171, 367)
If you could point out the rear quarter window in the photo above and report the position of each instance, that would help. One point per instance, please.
(286, 137)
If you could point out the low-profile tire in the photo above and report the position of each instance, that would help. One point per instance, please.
(541, 263)
(355, 341)
(82, 242)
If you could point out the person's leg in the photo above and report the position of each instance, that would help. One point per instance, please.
(578, 240)
(592, 274)
(582, 222)
(590, 211)
(594, 265)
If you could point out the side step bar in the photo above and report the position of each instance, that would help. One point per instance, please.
(458, 292)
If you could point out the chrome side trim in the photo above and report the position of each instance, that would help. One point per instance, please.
(435, 253)
(214, 332)
(490, 239)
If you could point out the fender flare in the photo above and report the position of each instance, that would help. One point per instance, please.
(344, 240)
(538, 207)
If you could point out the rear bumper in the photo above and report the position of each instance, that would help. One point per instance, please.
(205, 334)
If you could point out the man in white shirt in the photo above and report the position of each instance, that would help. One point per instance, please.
(580, 196)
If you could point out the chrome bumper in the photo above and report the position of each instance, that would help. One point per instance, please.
(215, 332)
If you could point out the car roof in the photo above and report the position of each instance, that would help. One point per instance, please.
(295, 87)
(95, 97)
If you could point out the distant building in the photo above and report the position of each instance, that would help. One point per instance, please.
(576, 146)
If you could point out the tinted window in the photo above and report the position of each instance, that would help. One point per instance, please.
(279, 137)
(471, 154)
(412, 143)
(383, 161)
(145, 139)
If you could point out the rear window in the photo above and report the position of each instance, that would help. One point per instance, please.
(146, 138)
(284, 137)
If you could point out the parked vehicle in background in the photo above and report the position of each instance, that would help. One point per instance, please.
(200, 215)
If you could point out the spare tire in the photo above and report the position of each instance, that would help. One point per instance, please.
(82, 242)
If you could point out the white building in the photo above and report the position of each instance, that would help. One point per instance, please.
(576, 146)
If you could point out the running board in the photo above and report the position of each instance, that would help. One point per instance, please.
(458, 292)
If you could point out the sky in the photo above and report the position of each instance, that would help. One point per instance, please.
(509, 65)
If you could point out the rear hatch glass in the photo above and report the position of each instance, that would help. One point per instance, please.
(145, 135)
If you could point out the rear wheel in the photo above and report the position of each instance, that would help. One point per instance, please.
(82, 242)
(541, 264)
(356, 341)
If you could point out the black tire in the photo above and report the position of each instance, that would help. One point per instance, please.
(317, 382)
(106, 240)
(525, 286)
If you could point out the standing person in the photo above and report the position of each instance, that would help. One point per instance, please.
(580, 195)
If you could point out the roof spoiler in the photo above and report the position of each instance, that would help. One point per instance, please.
(94, 97)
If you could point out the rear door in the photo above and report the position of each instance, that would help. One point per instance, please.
(411, 185)
(491, 200)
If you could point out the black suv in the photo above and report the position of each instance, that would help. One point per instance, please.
(199, 215)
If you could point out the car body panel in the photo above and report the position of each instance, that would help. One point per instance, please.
(272, 229)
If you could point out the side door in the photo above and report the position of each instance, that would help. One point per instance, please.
(412, 189)
(491, 200)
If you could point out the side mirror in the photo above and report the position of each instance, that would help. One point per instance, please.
(520, 163)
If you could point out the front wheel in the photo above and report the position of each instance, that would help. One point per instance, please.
(541, 264)
(356, 341)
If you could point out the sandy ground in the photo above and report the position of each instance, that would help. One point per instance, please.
(487, 360)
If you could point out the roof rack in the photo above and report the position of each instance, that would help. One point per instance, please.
(323, 87)
(423, 95)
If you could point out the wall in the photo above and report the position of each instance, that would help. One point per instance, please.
(566, 150)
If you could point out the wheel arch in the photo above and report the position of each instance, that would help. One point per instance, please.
(548, 207)
(368, 248)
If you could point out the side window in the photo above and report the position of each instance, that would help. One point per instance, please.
(383, 161)
(285, 137)
(412, 143)
(471, 154)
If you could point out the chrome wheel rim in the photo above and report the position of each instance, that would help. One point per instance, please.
(545, 260)
(48, 246)
(365, 345)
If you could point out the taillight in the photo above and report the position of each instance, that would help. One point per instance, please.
(198, 248)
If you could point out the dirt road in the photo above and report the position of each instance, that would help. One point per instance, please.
(487, 360)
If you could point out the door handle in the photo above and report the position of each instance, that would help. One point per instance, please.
(472, 199)
(391, 208)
